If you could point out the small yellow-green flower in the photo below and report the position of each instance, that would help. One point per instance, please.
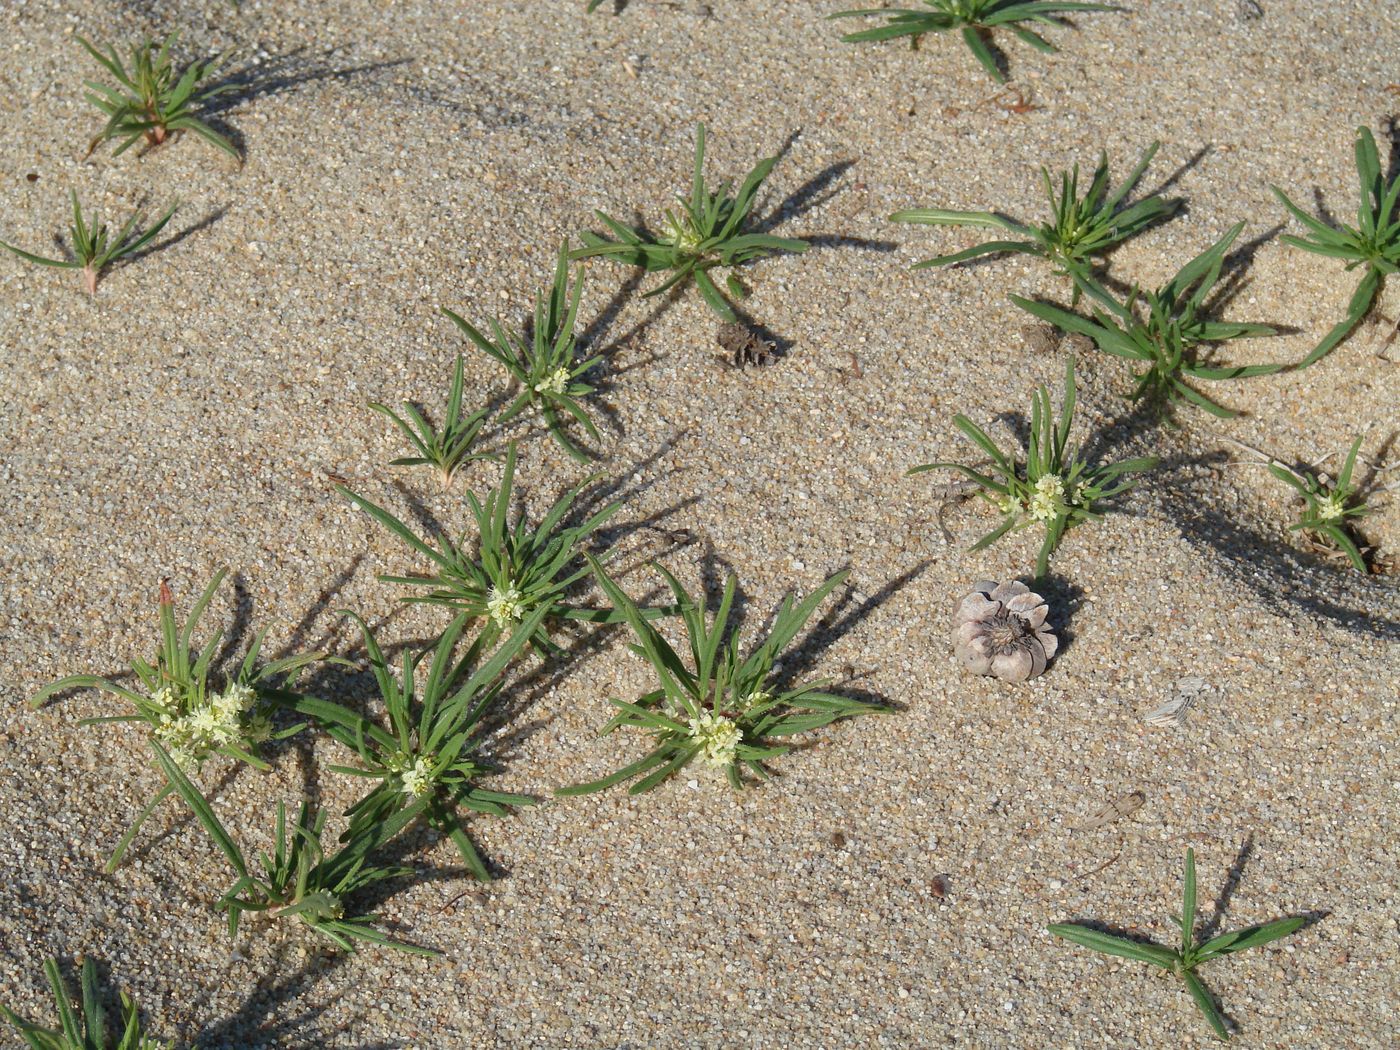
(717, 736)
(417, 778)
(554, 383)
(1331, 508)
(1048, 498)
(504, 606)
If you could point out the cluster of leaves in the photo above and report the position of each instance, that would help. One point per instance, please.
(1079, 228)
(707, 231)
(153, 98)
(1054, 487)
(1183, 961)
(512, 570)
(1328, 506)
(182, 706)
(721, 709)
(86, 1030)
(449, 448)
(547, 368)
(94, 249)
(1374, 242)
(974, 18)
(1168, 334)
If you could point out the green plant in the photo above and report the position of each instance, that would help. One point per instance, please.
(298, 878)
(975, 18)
(549, 376)
(1328, 507)
(94, 249)
(182, 706)
(1184, 961)
(1374, 242)
(428, 750)
(706, 232)
(1169, 337)
(87, 1031)
(1079, 227)
(514, 571)
(724, 708)
(153, 99)
(1054, 487)
(448, 449)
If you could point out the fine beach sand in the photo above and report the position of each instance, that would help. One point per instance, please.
(892, 884)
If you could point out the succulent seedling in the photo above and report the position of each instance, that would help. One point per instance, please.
(94, 249)
(1183, 961)
(298, 879)
(974, 18)
(152, 99)
(706, 232)
(428, 751)
(448, 449)
(514, 570)
(1054, 487)
(1374, 242)
(1168, 339)
(1079, 228)
(547, 369)
(1328, 506)
(724, 709)
(182, 705)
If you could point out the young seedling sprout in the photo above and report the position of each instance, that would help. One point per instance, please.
(93, 249)
(152, 99)
(514, 571)
(724, 709)
(549, 375)
(1079, 227)
(975, 18)
(1373, 243)
(1184, 961)
(1168, 339)
(448, 449)
(706, 232)
(1054, 487)
(86, 1030)
(428, 750)
(298, 878)
(1329, 507)
(180, 701)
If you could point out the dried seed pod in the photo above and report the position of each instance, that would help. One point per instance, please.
(1000, 629)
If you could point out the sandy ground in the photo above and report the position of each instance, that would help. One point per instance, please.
(892, 885)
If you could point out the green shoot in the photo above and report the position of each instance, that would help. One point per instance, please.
(975, 18)
(1373, 243)
(298, 878)
(182, 705)
(93, 249)
(1167, 339)
(152, 100)
(549, 376)
(514, 571)
(1079, 227)
(449, 449)
(1054, 487)
(1183, 961)
(1328, 506)
(705, 233)
(88, 1030)
(723, 709)
(427, 751)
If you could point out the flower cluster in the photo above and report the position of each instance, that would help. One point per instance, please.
(1048, 498)
(190, 735)
(717, 736)
(504, 606)
(554, 383)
